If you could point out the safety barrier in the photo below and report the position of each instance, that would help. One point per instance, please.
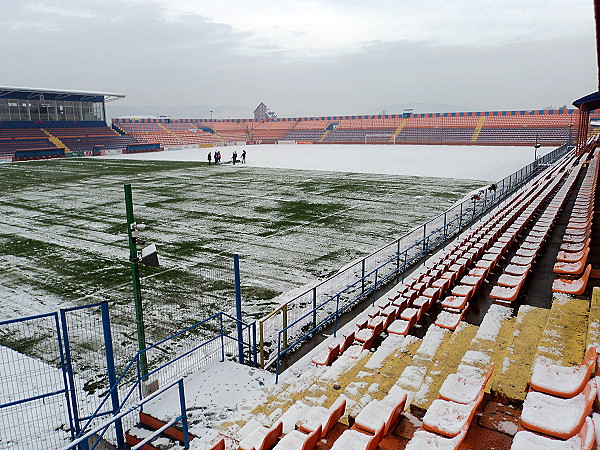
(123, 390)
(295, 321)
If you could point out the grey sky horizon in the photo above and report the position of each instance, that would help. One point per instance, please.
(309, 58)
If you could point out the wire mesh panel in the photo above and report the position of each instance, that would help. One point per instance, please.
(34, 411)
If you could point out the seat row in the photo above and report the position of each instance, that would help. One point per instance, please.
(557, 408)
(570, 266)
(515, 273)
(447, 420)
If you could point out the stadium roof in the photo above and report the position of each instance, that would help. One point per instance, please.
(58, 94)
(591, 101)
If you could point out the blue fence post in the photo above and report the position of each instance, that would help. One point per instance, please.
(112, 375)
(254, 350)
(460, 219)
(424, 244)
(71, 378)
(65, 373)
(278, 357)
(184, 422)
(363, 275)
(314, 305)
(404, 265)
(222, 338)
(397, 256)
(445, 231)
(238, 307)
(375, 287)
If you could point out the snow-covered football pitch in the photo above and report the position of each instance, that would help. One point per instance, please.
(294, 214)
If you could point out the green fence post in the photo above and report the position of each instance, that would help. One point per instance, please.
(135, 279)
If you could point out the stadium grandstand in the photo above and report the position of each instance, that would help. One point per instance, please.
(50, 123)
(551, 127)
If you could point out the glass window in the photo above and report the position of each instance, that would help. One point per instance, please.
(4, 109)
(25, 110)
(13, 110)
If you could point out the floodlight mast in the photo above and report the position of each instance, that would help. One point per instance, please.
(135, 278)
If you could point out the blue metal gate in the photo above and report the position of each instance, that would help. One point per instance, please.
(43, 402)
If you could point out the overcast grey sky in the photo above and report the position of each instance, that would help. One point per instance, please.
(310, 57)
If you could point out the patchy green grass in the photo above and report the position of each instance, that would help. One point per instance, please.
(63, 238)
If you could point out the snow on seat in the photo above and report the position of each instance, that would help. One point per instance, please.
(379, 414)
(400, 326)
(423, 304)
(460, 389)
(572, 268)
(450, 418)
(296, 440)
(454, 302)
(578, 225)
(442, 283)
(463, 291)
(570, 257)
(583, 440)
(526, 252)
(450, 320)
(364, 335)
(516, 269)
(327, 356)
(486, 264)
(318, 416)
(491, 256)
(472, 280)
(521, 261)
(261, 438)
(555, 416)
(411, 315)
(355, 440)
(531, 246)
(426, 440)
(576, 231)
(505, 294)
(564, 381)
(478, 272)
(432, 292)
(343, 342)
(507, 280)
(575, 247)
(574, 239)
(376, 322)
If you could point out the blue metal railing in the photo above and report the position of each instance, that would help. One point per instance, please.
(183, 364)
(322, 305)
(98, 432)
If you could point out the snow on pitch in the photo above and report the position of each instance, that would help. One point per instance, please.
(467, 162)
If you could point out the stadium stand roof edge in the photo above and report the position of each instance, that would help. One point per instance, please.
(58, 93)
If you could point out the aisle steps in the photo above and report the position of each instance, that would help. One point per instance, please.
(564, 339)
(515, 371)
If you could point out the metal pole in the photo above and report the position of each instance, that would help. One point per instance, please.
(238, 306)
(112, 374)
(135, 279)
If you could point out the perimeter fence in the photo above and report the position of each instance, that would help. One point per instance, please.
(70, 382)
(289, 325)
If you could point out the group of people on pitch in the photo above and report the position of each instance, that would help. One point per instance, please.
(234, 159)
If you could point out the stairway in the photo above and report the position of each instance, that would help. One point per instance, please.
(56, 141)
(324, 135)
(171, 438)
(478, 128)
(398, 130)
(171, 133)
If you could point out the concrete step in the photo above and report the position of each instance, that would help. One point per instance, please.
(593, 336)
(513, 374)
(565, 336)
(435, 369)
